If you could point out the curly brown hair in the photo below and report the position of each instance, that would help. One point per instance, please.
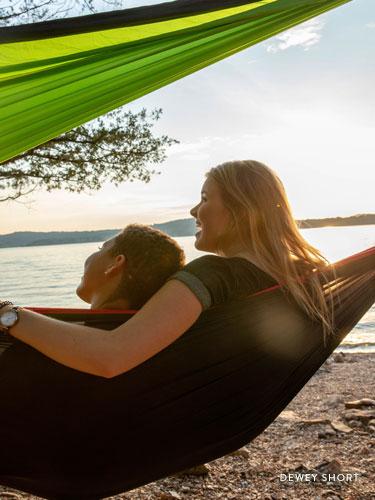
(152, 256)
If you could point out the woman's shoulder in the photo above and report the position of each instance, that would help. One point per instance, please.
(224, 264)
(215, 279)
(208, 260)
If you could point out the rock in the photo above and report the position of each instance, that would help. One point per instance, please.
(290, 443)
(331, 495)
(359, 403)
(333, 401)
(323, 369)
(339, 357)
(362, 415)
(355, 423)
(329, 467)
(316, 421)
(240, 453)
(301, 468)
(327, 432)
(290, 416)
(340, 427)
(198, 470)
(174, 494)
(372, 421)
(170, 495)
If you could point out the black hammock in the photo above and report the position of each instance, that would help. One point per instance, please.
(69, 435)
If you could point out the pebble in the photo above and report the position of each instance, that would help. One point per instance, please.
(339, 357)
(341, 427)
(166, 496)
(329, 467)
(290, 416)
(198, 470)
(240, 453)
(331, 495)
(327, 432)
(333, 401)
(323, 369)
(354, 423)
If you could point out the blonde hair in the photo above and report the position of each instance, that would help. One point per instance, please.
(262, 221)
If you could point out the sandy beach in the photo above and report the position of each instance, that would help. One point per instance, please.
(321, 447)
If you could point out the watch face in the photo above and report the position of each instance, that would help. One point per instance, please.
(9, 318)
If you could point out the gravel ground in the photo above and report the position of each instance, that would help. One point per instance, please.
(318, 434)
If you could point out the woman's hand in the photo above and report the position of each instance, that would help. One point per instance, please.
(164, 318)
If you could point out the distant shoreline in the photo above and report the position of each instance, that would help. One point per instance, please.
(175, 228)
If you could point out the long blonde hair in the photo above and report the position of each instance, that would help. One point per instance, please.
(262, 220)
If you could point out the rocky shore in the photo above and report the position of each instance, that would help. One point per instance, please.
(320, 448)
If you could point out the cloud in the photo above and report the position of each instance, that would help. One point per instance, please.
(305, 35)
(370, 25)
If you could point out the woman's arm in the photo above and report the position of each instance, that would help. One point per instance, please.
(164, 318)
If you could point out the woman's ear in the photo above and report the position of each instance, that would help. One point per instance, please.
(117, 266)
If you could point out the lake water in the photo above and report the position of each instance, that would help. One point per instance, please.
(48, 275)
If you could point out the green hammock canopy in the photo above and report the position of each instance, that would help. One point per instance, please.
(57, 75)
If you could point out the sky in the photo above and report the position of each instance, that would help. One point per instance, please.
(301, 102)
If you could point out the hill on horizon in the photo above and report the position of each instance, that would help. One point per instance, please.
(176, 228)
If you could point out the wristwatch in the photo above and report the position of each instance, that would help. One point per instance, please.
(8, 319)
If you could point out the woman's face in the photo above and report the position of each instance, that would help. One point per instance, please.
(212, 217)
(95, 277)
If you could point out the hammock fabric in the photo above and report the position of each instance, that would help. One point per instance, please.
(56, 75)
(70, 435)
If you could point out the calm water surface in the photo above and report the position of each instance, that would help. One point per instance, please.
(48, 275)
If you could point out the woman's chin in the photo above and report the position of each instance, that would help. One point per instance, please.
(80, 292)
(198, 243)
(197, 239)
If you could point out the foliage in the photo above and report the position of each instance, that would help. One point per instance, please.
(13, 12)
(117, 147)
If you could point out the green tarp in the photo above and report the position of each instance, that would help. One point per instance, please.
(57, 75)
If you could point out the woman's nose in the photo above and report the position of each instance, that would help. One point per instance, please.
(193, 211)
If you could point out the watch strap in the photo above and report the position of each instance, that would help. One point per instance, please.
(6, 303)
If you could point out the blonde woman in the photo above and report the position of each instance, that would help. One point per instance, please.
(244, 218)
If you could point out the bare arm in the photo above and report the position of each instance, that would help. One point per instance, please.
(164, 318)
